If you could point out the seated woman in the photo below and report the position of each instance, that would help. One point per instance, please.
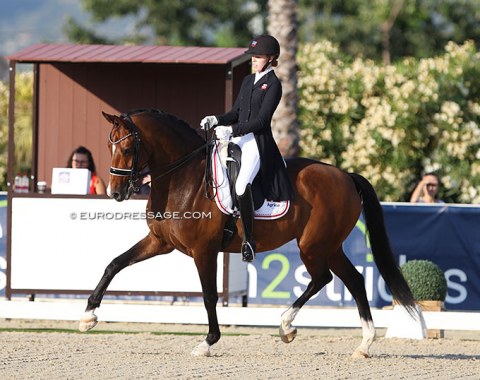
(81, 158)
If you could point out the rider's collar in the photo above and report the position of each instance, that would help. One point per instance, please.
(260, 75)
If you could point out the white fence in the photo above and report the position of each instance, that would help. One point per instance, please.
(72, 310)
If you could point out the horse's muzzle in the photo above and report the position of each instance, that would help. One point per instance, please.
(117, 196)
(121, 193)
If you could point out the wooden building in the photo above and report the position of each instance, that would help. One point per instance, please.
(74, 83)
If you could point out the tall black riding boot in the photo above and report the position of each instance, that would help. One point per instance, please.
(246, 214)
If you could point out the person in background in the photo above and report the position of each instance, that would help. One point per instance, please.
(81, 158)
(144, 188)
(426, 190)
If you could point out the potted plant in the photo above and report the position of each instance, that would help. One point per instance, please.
(429, 287)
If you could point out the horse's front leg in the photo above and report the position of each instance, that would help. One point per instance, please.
(147, 247)
(207, 270)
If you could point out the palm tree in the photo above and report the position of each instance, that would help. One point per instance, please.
(282, 23)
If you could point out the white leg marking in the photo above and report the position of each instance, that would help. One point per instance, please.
(368, 336)
(88, 321)
(203, 349)
(287, 331)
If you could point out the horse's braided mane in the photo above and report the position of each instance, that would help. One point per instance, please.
(167, 117)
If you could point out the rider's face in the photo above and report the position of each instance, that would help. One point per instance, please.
(258, 61)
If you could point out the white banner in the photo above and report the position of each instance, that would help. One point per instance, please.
(66, 243)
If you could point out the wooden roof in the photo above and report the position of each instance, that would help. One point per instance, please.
(125, 54)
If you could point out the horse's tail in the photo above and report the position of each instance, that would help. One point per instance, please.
(382, 252)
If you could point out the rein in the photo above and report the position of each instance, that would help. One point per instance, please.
(136, 174)
(209, 182)
(178, 163)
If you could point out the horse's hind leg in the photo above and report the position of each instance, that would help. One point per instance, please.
(320, 277)
(354, 281)
(144, 249)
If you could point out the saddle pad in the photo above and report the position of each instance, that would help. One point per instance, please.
(268, 211)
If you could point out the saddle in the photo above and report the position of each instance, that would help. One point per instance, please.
(233, 162)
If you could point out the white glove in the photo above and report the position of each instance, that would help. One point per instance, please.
(223, 133)
(208, 122)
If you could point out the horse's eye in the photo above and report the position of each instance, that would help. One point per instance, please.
(127, 151)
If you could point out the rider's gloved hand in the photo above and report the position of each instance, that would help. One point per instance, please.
(223, 133)
(208, 122)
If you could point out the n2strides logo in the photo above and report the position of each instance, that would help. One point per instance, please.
(280, 278)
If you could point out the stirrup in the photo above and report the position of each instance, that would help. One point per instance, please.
(248, 252)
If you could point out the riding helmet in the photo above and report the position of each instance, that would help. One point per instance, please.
(264, 45)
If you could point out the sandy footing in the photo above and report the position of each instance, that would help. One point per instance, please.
(37, 350)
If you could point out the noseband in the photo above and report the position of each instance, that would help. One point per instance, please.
(133, 172)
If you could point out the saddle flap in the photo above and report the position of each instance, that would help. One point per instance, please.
(234, 163)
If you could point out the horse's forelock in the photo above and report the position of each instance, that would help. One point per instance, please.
(117, 127)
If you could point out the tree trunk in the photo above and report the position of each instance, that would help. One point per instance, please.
(386, 28)
(283, 25)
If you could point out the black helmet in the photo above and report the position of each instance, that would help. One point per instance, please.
(264, 45)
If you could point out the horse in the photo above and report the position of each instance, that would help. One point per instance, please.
(326, 205)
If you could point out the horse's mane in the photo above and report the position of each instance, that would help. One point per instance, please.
(168, 118)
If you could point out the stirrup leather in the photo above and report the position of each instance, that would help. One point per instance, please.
(245, 202)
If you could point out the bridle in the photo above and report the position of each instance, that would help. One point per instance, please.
(134, 173)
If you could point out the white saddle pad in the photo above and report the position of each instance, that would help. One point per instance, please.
(270, 210)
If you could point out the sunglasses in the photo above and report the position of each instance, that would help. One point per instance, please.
(432, 184)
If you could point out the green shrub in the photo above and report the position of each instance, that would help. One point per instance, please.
(426, 280)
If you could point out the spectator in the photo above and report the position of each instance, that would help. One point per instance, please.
(144, 188)
(426, 190)
(81, 158)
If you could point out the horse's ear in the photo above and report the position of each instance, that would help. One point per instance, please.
(110, 118)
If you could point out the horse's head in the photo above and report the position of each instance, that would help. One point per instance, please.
(128, 157)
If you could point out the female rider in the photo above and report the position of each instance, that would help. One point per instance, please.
(249, 122)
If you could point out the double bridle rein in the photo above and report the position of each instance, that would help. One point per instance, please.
(136, 173)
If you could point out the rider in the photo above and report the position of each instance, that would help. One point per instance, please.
(249, 122)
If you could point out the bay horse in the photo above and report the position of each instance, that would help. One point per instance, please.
(326, 206)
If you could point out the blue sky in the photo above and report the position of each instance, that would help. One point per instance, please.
(26, 22)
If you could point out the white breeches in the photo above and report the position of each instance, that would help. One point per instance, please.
(250, 161)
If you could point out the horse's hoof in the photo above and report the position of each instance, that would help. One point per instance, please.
(88, 322)
(288, 337)
(203, 349)
(360, 355)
